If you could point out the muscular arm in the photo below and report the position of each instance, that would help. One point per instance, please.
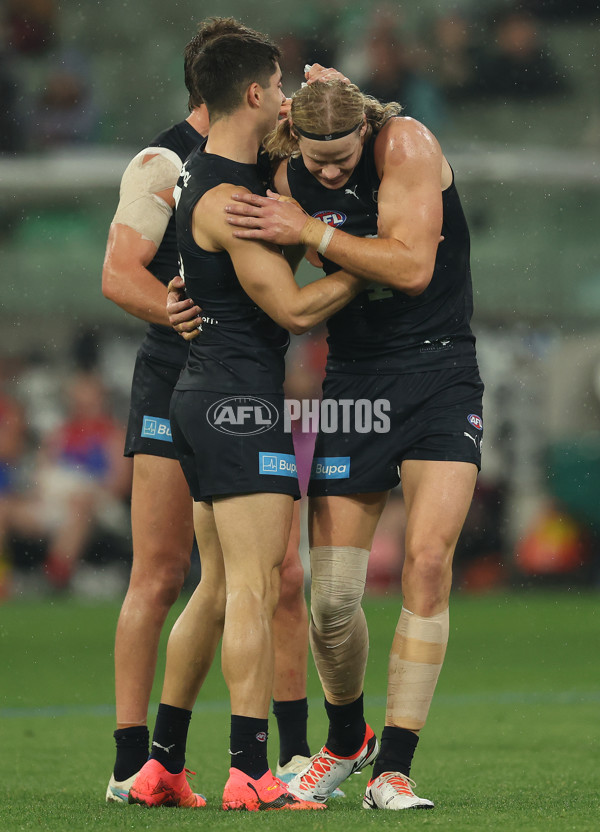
(145, 207)
(410, 211)
(409, 161)
(264, 273)
(126, 280)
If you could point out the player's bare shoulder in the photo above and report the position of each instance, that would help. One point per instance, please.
(215, 199)
(402, 140)
(210, 228)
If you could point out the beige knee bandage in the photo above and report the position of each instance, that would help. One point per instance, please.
(416, 659)
(338, 630)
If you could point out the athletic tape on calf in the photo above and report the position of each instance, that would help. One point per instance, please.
(416, 660)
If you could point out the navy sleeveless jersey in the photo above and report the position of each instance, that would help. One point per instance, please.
(162, 342)
(240, 350)
(384, 330)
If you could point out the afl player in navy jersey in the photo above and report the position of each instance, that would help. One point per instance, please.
(380, 201)
(141, 259)
(228, 423)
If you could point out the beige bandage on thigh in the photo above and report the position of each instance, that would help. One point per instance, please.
(338, 630)
(416, 659)
(139, 206)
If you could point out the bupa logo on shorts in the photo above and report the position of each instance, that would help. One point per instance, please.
(334, 218)
(330, 468)
(277, 465)
(242, 415)
(475, 420)
(155, 428)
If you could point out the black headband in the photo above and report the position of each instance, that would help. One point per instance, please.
(326, 137)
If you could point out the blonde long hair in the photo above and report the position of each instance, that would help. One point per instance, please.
(327, 107)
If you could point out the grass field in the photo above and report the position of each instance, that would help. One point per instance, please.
(512, 741)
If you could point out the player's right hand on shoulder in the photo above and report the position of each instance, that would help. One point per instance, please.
(184, 316)
(283, 198)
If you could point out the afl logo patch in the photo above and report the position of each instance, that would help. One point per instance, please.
(334, 218)
(261, 736)
(476, 421)
(242, 415)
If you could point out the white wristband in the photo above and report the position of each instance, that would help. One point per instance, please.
(325, 239)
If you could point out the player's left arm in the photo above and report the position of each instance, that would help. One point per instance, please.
(145, 207)
(410, 210)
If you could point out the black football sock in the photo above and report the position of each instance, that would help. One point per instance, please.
(132, 751)
(346, 727)
(248, 745)
(292, 717)
(397, 749)
(170, 737)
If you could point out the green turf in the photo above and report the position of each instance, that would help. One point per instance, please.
(512, 742)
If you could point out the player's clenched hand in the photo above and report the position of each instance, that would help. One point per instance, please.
(316, 72)
(278, 219)
(184, 316)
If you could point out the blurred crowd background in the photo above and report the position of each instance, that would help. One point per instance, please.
(511, 89)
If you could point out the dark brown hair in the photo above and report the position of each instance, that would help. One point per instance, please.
(222, 71)
(209, 29)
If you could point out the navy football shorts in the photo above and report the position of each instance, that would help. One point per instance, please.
(233, 444)
(433, 415)
(149, 428)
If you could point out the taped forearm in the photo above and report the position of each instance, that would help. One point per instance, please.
(316, 234)
(386, 261)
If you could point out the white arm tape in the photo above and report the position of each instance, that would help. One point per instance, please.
(139, 206)
(325, 239)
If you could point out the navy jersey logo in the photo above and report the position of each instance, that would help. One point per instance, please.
(475, 420)
(334, 218)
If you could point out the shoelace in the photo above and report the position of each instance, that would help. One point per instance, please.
(403, 784)
(320, 765)
(297, 767)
